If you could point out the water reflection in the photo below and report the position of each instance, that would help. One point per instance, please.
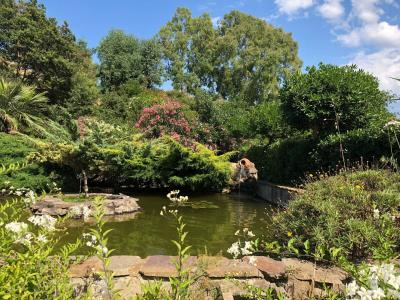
(211, 221)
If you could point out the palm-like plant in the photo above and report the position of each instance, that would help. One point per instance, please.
(20, 106)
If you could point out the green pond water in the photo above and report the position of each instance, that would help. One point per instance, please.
(211, 222)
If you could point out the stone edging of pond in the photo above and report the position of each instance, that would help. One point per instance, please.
(53, 205)
(296, 279)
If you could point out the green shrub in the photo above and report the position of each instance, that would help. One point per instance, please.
(356, 212)
(165, 163)
(284, 161)
(15, 149)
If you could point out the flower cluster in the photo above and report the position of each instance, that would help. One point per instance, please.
(28, 196)
(164, 119)
(45, 221)
(81, 211)
(92, 242)
(164, 211)
(240, 248)
(381, 281)
(174, 197)
(21, 235)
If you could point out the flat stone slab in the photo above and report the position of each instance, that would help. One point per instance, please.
(304, 270)
(221, 267)
(162, 266)
(86, 268)
(113, 205)
(125, 265)
(271, 268)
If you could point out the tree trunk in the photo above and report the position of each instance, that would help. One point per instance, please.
(85, 184)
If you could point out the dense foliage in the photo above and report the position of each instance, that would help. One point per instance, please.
(123, 57)
(14, 150)
(242, 57)
(354, 211)
(330, 99)
(37, 49)
(237, 88)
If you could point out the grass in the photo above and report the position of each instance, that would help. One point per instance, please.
(76, 198)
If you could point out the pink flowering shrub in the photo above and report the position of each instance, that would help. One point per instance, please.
(165, 119)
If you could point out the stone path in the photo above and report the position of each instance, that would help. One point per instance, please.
(216, 277)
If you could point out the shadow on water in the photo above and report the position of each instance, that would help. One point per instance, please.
(211, 221)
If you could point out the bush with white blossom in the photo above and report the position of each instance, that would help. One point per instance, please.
(247, 246)
(380, 281)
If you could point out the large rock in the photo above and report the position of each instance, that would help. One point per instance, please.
(86, 268)
(305, 270)
(221, 267)
(306, 278)
(125, 265)
(113, 205)
(162, 266)
(271, 268)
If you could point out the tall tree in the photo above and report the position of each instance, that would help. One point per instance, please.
(37, 49)
(124, 57)
(242, 57)
(187, 50)
(252, 58)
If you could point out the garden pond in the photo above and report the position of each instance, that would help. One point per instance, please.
(211, 221)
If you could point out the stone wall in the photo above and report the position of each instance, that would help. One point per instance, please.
(275, 194)
(216, 277)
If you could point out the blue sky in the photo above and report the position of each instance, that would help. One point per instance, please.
(365, 32)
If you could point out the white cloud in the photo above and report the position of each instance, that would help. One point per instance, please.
(371, 30)
(380, 35)
(332, 10)
(291, 7)
(384, 64)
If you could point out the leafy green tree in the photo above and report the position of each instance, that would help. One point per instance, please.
(151, 66)
(252, 58)
(243, 57)
(37, 49)
(20, 106)
(124, 57)
(187, 48)
(331, 99)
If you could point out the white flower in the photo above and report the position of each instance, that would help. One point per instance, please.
(237, 232)
(376, 213)
(17, 227)
(18, 193)
(25, 239)
(352, 288)
(86, 212)
(76, 211)
(247, 249)
(377, 293)
(42, 238)
(104, 250)
(45, 221)
(250, 234)
(161, 213)
(234, 250)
